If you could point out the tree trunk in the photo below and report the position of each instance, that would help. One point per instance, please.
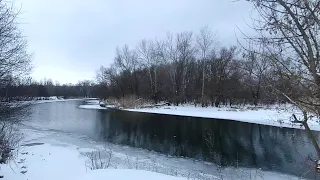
(312, 138)
(151, 83)
(155, 80)
(202, 90)
(309, 132)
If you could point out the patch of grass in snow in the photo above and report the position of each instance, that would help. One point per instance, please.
(128, 102)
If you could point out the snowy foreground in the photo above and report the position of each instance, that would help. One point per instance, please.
(280, 116)
(54, 155)
(50, 159)
(48, 162)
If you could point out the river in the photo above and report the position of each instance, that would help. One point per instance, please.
(224, 142)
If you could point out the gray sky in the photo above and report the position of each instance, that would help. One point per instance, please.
(71, 39)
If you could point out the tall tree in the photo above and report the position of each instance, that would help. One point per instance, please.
(127, 60)
(147, 56)
(205, 43)
(14, 60)
(256, 67)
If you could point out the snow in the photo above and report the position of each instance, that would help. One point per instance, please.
(91, 106)
(42, 100)
(92, 101)
(119, 174)
(53, 100)
(280, 116)
(53, 162)
(94, 104)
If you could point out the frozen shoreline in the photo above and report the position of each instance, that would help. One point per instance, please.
(279, 116)
(51, 161)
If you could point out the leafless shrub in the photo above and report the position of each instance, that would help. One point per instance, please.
(10, 137)
(111, 101)
(9, 140)
(127, 102)
(130, 102)
(99, 159)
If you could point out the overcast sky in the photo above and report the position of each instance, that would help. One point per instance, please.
(71, 39)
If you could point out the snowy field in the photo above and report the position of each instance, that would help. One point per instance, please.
(280, 116)
(52, 155)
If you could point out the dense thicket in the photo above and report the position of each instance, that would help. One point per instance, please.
(191, 68)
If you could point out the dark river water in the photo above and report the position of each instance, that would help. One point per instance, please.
(228, 143)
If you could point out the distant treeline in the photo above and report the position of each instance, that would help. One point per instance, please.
(32, 89)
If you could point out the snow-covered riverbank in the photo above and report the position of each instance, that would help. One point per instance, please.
(94, 104)
(280, 116)
(57, 162)
(273, 116)
(53, 155)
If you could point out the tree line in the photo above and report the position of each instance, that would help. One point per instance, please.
(191, 67)
(28, 89)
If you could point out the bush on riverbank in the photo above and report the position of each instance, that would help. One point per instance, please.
(128, 102)
(9, 141)
(9, 136)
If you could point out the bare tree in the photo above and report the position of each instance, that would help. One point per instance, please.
(289, 31)
(14, 64)
(147, 55)
(170, 56)
(206, 42)
(255, 68)
(14, 60)
(127, 60)
(219, 72)
(186, 52)
(159, 59)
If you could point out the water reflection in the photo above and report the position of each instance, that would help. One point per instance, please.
(231, 143)
(228, 143)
